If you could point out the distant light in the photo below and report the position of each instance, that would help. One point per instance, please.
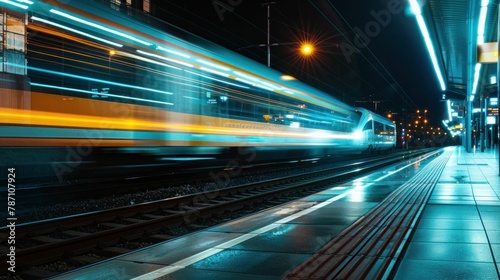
(493, 79)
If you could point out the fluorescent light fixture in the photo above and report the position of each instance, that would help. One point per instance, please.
(172, 51)
(76, 31)
(98, 26)
(480, 40)
(415, 7)
(477, 71)
(493, 79)
(482, 21)
(448, 103)
(215, 65)
(430, 48)
(15, 4)
(165, 58)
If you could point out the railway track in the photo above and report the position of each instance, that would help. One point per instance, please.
(69, 237)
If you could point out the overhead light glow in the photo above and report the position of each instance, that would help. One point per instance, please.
(415, 7)
(480, 40)
(98, 26)
(430, 48)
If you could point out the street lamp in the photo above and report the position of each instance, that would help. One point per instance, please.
(307, 49)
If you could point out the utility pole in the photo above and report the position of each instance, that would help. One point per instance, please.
(375, 102)
(268, 5)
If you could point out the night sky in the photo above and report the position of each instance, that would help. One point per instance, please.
(392, 67)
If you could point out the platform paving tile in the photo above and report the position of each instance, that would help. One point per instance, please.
(307, 239)
(442, 251)
(200, 274)
(170, 252)
(491, 224)
(252, 262)
(450, 224)
(458, 234)
(411, 269)
(450, 236)
(114, 269)
(439, 211)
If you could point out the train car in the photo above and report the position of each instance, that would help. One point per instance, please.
(91, 86)
(376, 133)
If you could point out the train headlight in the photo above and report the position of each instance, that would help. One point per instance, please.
(357, 135)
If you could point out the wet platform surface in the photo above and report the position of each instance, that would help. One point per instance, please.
(458, 235)
(459, 227)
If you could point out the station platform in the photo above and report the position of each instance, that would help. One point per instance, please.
(458, 235)
(453, 234)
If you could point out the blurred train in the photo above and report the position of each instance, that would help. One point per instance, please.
(90, 85)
